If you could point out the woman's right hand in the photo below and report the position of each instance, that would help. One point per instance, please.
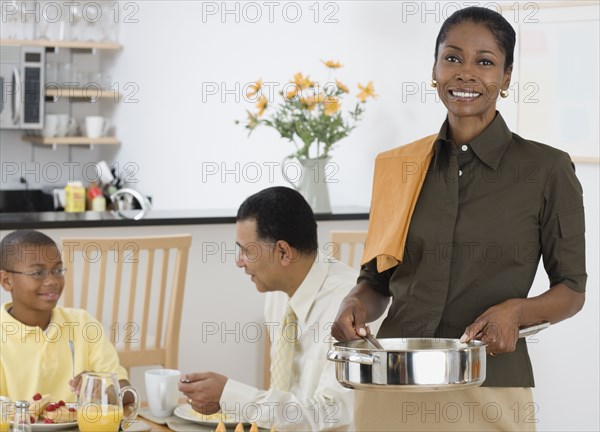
(350, 322)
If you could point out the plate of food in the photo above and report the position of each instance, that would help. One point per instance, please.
(46, 414)
(186, 412)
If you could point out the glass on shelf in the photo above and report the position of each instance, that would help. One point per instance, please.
(11, 20)
(53, 22)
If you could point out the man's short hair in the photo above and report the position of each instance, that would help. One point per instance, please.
(281, 213)
(12, 245)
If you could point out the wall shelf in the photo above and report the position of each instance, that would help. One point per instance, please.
(70, 140)
(85, 94)
(84, 45)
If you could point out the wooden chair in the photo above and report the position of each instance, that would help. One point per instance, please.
(129, 286)
(347, 243)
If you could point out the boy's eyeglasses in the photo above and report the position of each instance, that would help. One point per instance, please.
(42, 274)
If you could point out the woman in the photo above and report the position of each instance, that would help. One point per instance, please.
(490, 204)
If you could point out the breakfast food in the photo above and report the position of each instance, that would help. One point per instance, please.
(220, 427)
(59, 412)
(37, 404)
(217, 417)
(42, 409)
(253, 427)
(239, 428)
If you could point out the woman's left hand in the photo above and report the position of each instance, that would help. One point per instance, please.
(498, 327)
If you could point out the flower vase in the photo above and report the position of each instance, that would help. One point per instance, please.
(309, 177)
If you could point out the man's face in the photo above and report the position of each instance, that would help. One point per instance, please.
(33, 292)
(257, 257)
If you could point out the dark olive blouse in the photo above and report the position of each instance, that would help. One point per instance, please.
(487, 212)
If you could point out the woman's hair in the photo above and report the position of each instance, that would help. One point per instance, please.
(12, 246)
(281, 213)
(496, 23)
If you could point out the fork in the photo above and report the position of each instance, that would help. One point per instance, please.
(72, 347)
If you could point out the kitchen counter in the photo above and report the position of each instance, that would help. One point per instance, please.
(39, 220)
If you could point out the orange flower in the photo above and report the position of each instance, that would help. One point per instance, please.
(342, 87)
(302, 81)
(332, 64)
(331, 105)
(262, 105)
(366, 91)
(311, 101)
(254, 88)
(291, 94)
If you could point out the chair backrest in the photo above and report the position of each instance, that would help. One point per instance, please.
(348, 244)
(134, 286)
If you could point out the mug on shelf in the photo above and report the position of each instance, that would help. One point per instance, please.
(51, 125)
(96, 126)
(67, 126)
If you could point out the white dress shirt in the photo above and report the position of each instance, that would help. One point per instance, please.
(316, 401)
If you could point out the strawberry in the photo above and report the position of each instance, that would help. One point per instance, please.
(52, 407)
(31, 419)
(72, 409)
(48, 421)
(37, 397)
(61, 403)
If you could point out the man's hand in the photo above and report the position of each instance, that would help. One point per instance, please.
(203, 390)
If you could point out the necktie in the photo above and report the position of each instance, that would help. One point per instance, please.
(281, 371)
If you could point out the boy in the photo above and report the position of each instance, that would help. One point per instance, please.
(35, 353)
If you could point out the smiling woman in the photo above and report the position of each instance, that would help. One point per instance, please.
(459, 270)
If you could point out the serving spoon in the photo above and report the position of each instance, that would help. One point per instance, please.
(373, 341)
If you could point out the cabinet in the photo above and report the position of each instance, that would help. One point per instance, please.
(85, 93)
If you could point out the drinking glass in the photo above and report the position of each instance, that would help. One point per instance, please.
(101, 403)
(5, 411)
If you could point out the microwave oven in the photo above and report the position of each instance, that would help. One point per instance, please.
(22, 87)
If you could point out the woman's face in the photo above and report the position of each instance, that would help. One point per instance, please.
(469, 71)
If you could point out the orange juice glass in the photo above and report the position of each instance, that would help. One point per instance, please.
(99, 418)
(101, 403)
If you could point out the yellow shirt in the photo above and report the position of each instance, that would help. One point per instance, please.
(33, 360)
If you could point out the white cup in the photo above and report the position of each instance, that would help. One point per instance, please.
(51, 125)
(96, 126)
(66, 125)
(162, 391)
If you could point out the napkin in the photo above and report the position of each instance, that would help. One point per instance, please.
(399, 176)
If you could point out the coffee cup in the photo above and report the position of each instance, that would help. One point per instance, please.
(96, 126)
(162, 391)
(51, 125)
(66, 125)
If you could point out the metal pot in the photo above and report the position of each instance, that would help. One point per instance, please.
(413, 364)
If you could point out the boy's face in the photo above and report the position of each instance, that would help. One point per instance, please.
(29, 292)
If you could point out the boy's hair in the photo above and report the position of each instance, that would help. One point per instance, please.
(12, 244)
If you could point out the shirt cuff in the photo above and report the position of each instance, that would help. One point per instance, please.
(237, 393)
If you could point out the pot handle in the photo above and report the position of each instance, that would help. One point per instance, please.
(352, 357)
(532, 329)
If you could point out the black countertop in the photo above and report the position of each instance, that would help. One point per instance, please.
(38, 220)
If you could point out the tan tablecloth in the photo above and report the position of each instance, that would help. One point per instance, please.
(473, 409)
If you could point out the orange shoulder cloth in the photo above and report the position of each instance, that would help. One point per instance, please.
(399, 176)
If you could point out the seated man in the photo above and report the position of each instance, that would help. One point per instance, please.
(277, 239)
(35, 349)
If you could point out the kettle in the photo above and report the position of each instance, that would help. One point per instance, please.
(123, 200)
